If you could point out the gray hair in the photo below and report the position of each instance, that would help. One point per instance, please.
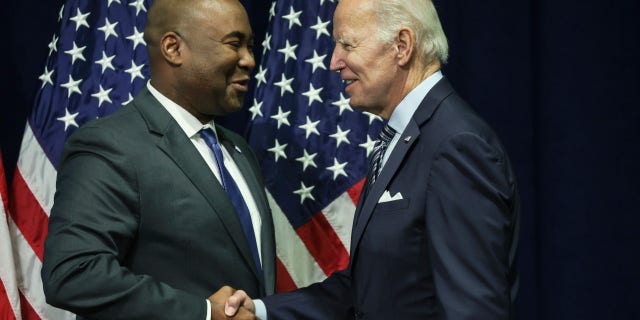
(421, 17)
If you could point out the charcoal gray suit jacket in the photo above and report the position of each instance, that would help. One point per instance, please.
(141, 228)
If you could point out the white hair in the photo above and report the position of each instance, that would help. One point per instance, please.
(418, 15)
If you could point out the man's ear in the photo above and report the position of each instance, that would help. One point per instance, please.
(172, 48)
(405, 45)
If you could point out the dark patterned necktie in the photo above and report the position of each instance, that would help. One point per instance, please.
(379, 149)
(233, 191)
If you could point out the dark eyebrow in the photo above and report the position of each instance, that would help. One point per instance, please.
(237, 34)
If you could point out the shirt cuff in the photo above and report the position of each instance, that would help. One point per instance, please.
(208, 309)
(261, 309)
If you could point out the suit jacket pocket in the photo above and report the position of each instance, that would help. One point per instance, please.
(393, 205)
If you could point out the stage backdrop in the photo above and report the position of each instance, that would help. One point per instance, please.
(558, 80)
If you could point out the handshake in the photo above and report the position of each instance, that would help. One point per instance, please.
(229, 303)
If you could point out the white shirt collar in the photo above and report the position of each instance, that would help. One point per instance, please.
(407, 107)
(188, 122)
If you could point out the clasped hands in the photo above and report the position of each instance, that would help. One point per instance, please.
(229, 303)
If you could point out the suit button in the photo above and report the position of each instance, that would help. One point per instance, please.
(358, 315)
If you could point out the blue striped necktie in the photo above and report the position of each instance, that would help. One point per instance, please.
(233, 191)
(379, 149)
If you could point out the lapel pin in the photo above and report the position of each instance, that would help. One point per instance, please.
(237, 149)
(407, 139)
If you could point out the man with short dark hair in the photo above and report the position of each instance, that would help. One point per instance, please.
(157, 206)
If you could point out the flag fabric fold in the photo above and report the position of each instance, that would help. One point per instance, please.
(313, 146)
(9, 295)
(97, 61)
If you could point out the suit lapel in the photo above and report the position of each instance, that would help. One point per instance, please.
(366, 206)
(407, 139)
(177, 146)
(245, 167)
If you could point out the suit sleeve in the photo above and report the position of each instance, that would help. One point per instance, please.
(471, 220)
(330, 299)
(93, 223)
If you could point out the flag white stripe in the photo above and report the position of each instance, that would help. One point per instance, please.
(39, 175)
(339, 214)
(37, 171)
(294, 255)
(30, 283)
(7, 266)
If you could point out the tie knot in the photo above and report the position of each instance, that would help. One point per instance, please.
(209, 136)
(386, 134)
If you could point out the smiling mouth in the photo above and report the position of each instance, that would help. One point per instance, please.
(240, 85)
(349, 81)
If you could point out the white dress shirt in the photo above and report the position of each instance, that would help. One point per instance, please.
(191, 127)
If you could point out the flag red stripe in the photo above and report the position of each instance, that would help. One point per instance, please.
(355, 190)
(27, 311)
(6, 309)
(285, 282)
(28, 215)
(3, 186)
(324, 244)
(6, 312)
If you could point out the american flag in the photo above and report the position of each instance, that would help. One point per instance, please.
(97, 61)
(312, 145)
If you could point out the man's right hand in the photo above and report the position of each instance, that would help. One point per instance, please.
(239, 300)
(222, 310)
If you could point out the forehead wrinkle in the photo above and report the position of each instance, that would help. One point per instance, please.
(354, 20)
(348, 33)
(355, 38)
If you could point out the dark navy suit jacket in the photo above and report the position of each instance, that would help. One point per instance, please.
(447, 249)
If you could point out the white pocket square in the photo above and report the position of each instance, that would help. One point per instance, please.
(386, 197)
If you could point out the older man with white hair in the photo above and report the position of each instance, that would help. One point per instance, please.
(436, 228)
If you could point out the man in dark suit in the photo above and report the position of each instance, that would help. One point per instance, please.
(436, 227)
(144, 223)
